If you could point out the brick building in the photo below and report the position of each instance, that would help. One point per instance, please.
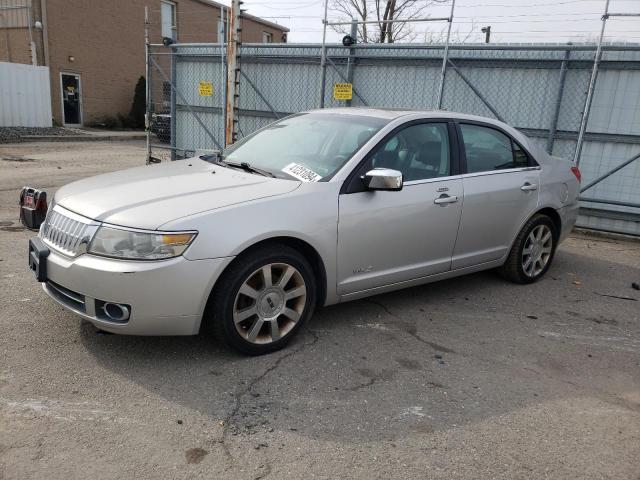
(95, 48)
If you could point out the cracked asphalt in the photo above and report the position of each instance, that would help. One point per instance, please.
(467, 378)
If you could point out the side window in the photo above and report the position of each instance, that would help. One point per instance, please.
(168, 19)
(488, 149)
(520, 157)
(420, 152)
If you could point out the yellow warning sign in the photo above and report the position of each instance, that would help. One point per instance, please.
(206, 89)
(342, 91)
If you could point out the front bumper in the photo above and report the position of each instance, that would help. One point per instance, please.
(166, 297)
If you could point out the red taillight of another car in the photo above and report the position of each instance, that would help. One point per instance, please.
(576, 172)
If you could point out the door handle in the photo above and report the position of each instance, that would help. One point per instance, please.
(529, 187)
(444, 199)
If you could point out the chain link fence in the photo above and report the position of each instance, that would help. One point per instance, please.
(186, 85)
(159, 107)
(539, 89)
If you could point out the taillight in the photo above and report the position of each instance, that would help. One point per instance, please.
(576, 172)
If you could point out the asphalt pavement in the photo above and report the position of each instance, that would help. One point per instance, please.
(467, 378)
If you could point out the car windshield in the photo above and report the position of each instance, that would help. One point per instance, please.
(307, 147)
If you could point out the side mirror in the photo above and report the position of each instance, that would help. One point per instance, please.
(383, 179)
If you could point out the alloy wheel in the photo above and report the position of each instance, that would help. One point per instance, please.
(269, 303)
(537, 250)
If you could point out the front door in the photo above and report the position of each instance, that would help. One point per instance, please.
(71, 102)
(389, 237)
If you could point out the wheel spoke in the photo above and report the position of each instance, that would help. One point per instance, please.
(266, 275)
(249, 291)
(546, 237)
(527, 250)
(291, 314)
(286, 276)
(275, 330)
(255, 329)
(546, 250)
(537, 267)
(242, 315)
(539, 231)
(531, 239)
(295, 293)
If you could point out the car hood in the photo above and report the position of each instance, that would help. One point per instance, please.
(150, 196)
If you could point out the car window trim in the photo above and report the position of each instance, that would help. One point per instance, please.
(498, 172)
(455, 167)
(532, 163)
(411, 183)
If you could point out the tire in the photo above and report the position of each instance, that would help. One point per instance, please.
(532, 252)
(255, 314)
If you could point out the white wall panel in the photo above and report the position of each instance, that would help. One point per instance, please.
(25, 96)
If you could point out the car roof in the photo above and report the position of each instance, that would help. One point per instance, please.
(391, 114)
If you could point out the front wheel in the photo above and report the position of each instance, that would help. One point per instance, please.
(263, 299)
(532, 252)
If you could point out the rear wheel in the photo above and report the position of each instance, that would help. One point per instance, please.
(263, 299)
(532, 252)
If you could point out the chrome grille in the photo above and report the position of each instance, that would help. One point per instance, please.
(67, 232)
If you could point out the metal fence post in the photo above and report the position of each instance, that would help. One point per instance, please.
(556, 111)
(223, 74)
(445, 58)
(352, 56)
(323, 55)
(592, 83)
(174, 110)
(147, 92)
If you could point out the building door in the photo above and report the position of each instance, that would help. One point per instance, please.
(71, 101)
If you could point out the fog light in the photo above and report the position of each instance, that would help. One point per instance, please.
(114, 312)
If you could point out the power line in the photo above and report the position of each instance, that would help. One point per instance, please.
(270, 6)
(549, 4)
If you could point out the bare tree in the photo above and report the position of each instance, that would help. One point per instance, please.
(382, 11)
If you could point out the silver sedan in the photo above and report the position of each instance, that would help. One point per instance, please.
(319, 208)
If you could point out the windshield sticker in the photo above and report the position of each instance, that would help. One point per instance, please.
(301, 172)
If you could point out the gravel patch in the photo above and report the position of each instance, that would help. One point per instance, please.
(17, 134)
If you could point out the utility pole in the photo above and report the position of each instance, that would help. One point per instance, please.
(487, 33)
(233, 74)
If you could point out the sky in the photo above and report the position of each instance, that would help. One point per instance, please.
(525, 21)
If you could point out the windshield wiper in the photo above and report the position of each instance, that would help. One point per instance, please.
(248, 168)
(216, 158)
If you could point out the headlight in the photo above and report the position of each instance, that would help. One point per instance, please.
(139, 245)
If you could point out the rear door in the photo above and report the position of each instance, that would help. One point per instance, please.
(501, 184)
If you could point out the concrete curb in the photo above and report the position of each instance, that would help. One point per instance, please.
(81, 138)
(589, 232)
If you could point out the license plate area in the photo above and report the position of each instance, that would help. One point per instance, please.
(33, 207)
(38, 253)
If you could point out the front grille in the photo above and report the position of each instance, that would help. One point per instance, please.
(67, 232)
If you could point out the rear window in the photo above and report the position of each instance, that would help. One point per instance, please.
(488, 149)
